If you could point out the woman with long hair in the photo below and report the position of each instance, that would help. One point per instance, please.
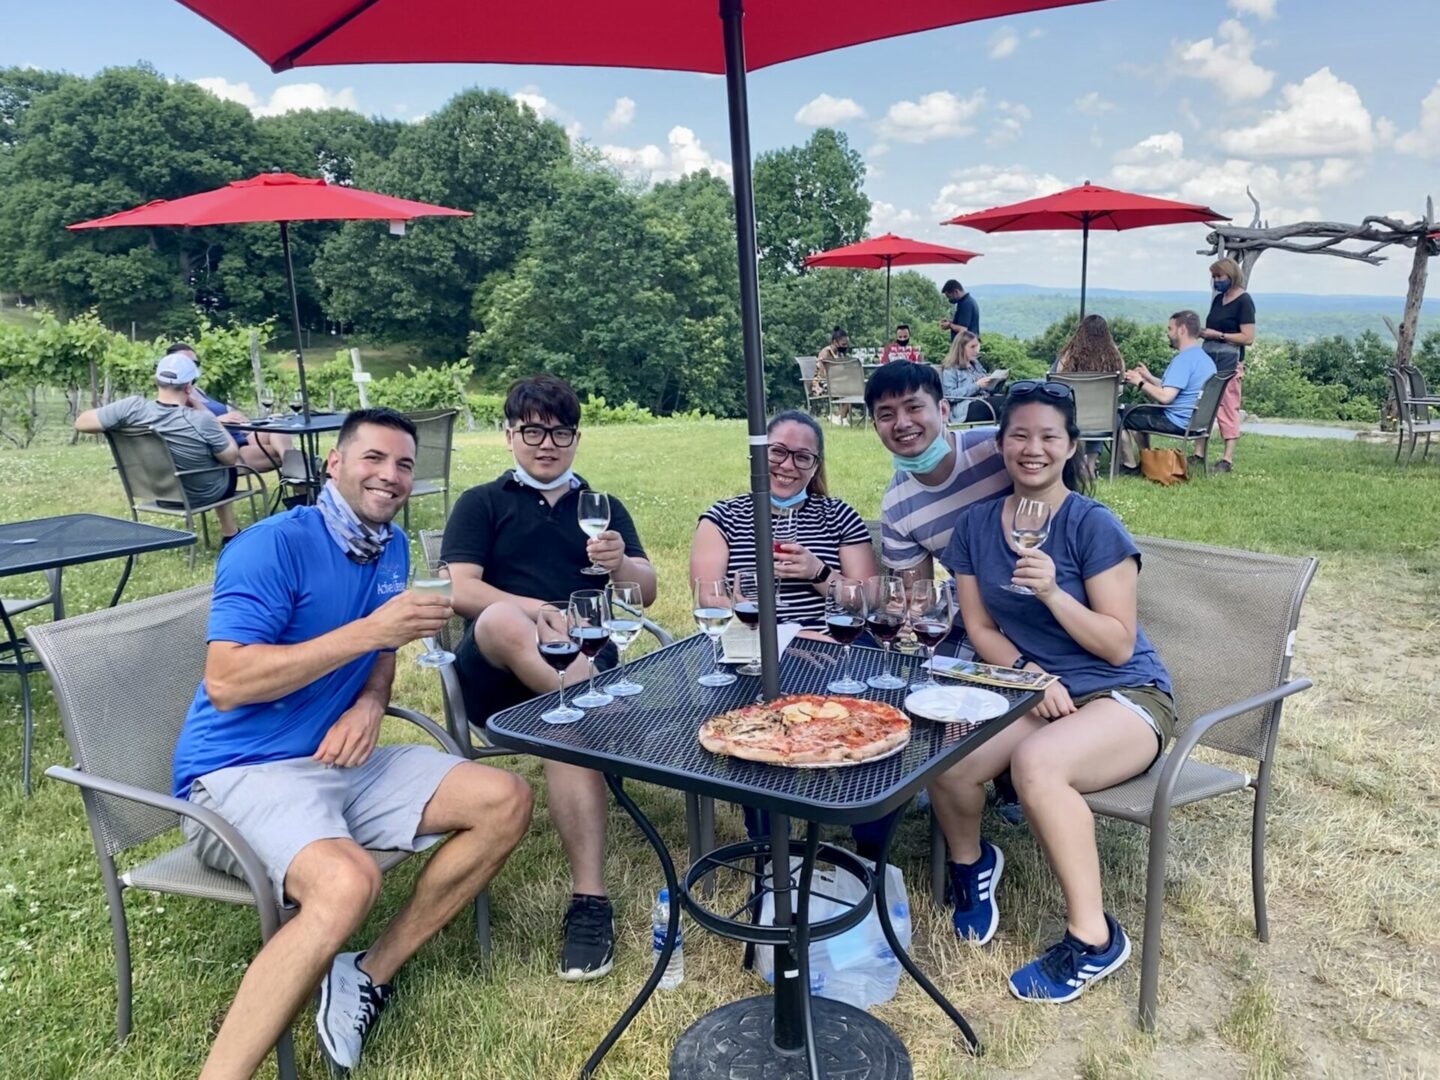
(1104, 719)
(965, 382)
(1090, 350)
(1229, 328)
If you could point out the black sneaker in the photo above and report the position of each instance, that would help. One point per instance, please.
(589, 929)
(350, 1003)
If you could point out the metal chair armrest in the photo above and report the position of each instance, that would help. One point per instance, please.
(430, 727)
(1185, 745)
(661, 634)
(217, 468)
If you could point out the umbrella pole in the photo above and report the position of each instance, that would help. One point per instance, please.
(732, 15)
(888, 323)
(1084, 262)
(295, 317)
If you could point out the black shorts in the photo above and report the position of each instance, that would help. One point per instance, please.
(1150, 420)
(488, 689)
(231, 481)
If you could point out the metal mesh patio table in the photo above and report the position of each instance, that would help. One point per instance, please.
(652, 737)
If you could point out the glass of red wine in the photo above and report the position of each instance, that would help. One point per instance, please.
(885, 617)
(745, 591)
(587, 612)
(552, 637)
(844, 621)
(932, 610)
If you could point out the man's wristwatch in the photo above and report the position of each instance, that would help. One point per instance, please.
(1020, 661)
(823, 576)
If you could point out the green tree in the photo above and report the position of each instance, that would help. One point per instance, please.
(807, 199)
(19, 88)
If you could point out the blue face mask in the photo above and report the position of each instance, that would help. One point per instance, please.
(1220, 285)
(523, 477)
(926, 462)
(789, 501)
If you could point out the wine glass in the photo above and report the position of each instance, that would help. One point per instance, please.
(435, 582)
(713, 608)
(558, 649)
(587, 629)
(745, 593)
(932, 610)
(1028, 531)
(844, 621)
(594, 515)
(267, 399)
(885, 599)
(782, 527)
(624, 618)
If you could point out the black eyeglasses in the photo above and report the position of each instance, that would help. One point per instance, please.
(803, 459)
(534, 435)
(1057, 390)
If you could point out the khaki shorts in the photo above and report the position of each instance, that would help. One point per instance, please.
(1150, 703)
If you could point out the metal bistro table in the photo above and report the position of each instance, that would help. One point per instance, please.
(307, 431)
(652, 737)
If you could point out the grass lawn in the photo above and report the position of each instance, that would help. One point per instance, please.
(1348, 986)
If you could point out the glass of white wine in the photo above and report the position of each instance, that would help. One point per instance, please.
(436, 582)
(594, 515)
(713, 610)
(1028, 531)
(624, 618)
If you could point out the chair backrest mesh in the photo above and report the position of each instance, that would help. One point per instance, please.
(124, 678)
(146, 468)
(846, 379)
(1203, 418)
(1096, 395)
(433, 439)
(1223, 621)
(807, 368)
(430, 543)
(1418, 389)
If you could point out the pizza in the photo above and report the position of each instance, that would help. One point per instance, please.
(808, 729)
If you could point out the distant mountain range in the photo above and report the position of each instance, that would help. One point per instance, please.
(1026, 310)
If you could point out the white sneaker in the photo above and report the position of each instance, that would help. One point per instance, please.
(350, 1003)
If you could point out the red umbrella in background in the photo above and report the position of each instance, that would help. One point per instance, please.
(280, 198)
(887, 251)
(1086, 207)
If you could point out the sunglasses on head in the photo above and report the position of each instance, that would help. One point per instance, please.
(1030, 387)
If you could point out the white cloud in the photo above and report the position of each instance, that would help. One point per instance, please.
(546, 109)
(937, 115)
(1228, 62)
(682, 155)
(1003, 43)
(1092, 104)
(1261, 9)
(1321, 116)
(980, 187)
(1424, 141)
(1009, 125)
(621, 114)
(293, 97)
(1155, 162)
(887, 218)
(827, 111)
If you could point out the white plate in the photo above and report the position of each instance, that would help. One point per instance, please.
(956, 704)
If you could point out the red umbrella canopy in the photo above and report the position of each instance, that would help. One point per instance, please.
(272, 197)
(1089, 204)
(672, 35)
(880, 252)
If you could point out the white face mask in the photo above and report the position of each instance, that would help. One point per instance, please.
(523, 477)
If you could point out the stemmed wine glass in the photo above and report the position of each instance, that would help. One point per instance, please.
(435, 582)
(745, 592)
(267, 399)
(713, 608)
(624, 618)
(1029, 530)
(844, 620)
(587, 612)
(594, 515)
(932, 610)
(558, 649)
(885, 598)
(297, 402)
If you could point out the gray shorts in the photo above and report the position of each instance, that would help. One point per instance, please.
(281, 806)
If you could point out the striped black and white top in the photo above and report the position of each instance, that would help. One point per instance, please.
(822, 524)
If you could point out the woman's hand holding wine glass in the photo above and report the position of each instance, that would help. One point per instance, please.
(1028, 530)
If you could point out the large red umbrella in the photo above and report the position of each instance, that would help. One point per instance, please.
(887, 251)
(1086, 207)
(280, 198)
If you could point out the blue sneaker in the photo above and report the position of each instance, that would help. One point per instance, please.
(973, 887)
(1070, 967)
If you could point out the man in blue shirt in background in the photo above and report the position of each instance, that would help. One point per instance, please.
(308, 610)
(1179, 390)
(966, 315)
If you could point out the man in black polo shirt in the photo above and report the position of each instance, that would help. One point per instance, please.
(512, 546)
(967, 312)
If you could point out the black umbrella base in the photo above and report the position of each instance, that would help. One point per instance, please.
(736, 1042)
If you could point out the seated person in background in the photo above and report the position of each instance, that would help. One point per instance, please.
(514, 545)
(260, 450)
(280, 741)
(196, 439)
(1091, 350)
(965, 381)
(1180, 389)
(837, 351)
(1106, 719)
(901, 348)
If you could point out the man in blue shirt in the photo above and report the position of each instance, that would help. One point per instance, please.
(280, 741)
(966, 315)
(1179, 390)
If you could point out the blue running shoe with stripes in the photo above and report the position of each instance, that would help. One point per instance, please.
(1070, 967)
(973, 886)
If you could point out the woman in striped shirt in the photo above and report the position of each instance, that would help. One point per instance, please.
(817, 535)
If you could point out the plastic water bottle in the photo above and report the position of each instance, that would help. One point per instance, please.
(659, 928)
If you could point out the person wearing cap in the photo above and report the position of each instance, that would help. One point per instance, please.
(197, 440)
(261, 450)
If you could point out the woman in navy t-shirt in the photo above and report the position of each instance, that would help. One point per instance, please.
(1103, 721)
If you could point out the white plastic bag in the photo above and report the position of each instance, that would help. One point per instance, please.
(857, 967)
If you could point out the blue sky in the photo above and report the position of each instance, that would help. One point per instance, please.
(1324, 111)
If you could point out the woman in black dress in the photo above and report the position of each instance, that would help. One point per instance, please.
(1229, 328)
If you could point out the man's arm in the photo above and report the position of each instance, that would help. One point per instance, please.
(89, 422)
(472, 594)
(352, 738)
(1150, 386)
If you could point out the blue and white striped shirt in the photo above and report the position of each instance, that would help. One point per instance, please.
(917, 519)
